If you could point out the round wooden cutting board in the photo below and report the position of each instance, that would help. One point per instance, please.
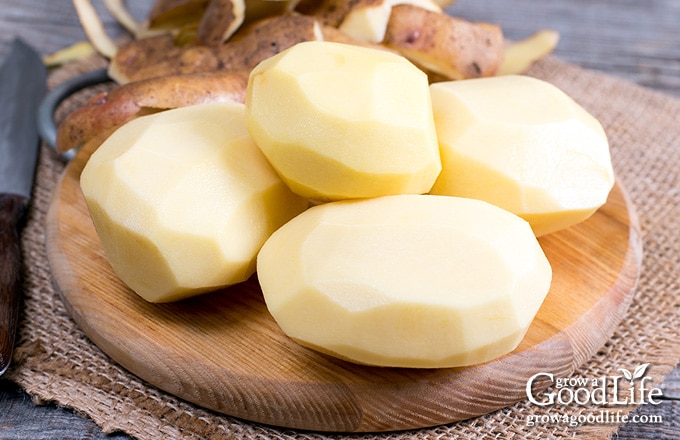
(223, 351)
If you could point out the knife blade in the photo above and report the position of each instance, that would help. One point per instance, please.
(23, 84)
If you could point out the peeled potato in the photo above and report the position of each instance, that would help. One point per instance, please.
(183, 200)
(524, 145)
(340, 121)
(416, 281)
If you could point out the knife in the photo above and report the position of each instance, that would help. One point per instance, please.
(23, 83)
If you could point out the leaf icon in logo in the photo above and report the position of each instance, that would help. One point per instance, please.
(639, 371)
(636, 374)
(627, 374)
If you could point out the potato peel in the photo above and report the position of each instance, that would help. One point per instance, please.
(194, 38)
(160, 56)
(74, 52)
(446, 46)
(521, 55)
(119, 11)
(109, 110)
(221, 19)
(94, 29)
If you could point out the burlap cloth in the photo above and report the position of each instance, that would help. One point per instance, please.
(54, 361)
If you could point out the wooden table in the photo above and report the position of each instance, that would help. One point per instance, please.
(637, 41)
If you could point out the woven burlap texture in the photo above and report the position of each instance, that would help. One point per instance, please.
(54, 361)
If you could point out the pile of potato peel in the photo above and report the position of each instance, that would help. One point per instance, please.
(196, 51)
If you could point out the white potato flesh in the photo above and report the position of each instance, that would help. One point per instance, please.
(340, 121)
(524, 145)
(183, 200)
(417, 281)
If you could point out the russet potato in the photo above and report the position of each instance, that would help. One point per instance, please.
(416, 281)
(340, 121)
(524, 145)
(183, 200)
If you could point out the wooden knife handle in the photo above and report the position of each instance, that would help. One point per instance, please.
(12, 209)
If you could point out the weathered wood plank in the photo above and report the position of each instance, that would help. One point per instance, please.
(50, 26)
(20, 419)
(657, 423)
(671, 386)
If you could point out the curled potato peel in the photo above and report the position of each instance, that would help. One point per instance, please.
(175, 14)
(521, 55)
(169, 14)
(221, 19)
(160, 55)
(207, 47)
(208, 35)
(119, 11)
(94, 29)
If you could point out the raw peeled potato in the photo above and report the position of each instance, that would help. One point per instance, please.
(416, 281)
(183, 200)
(524, 145)
(341, 121)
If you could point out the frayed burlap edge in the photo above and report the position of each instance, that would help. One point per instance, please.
(55, 362)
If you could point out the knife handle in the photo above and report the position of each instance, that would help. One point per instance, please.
(12, 208)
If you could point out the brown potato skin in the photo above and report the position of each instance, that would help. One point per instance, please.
(266, 38)
(445, 46)
(157, 73)
(214, 26)
(107, 111)
(139, 55)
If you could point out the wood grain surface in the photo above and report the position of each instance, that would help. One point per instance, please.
(636, 41)
(225, 352)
